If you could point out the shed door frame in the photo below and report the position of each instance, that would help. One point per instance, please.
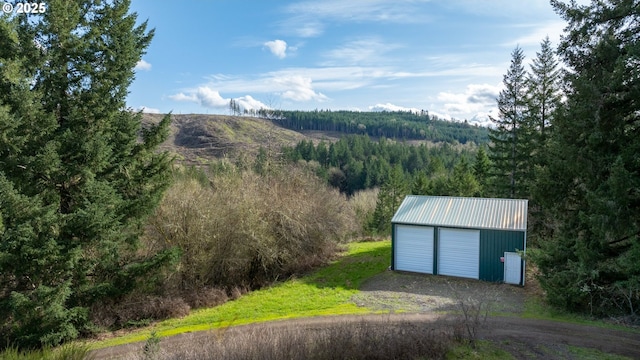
(459, 252)
(414, 248)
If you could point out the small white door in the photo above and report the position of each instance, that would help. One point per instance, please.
(414, 249)
(512, 268)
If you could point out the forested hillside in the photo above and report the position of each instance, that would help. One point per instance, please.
(356, 162)
(388, 170)
(398, 125)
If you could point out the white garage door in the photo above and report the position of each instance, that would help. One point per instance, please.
(459, 253)
(414, 249)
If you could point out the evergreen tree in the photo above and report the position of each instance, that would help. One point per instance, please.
(507, 150)
(481, 171)
(421, 184)
(78, 172)
(591, 186)
(389, 199)
(543, 101)
(544, 91)
(462, 181)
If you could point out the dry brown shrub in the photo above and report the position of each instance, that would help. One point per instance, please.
(347, 340)
(206, 297)
(363, 204)
(135, 309)
(245, 229)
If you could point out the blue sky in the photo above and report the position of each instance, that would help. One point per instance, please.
(447, 57)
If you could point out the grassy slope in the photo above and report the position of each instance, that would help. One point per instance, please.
(197, 138)
(324, 292)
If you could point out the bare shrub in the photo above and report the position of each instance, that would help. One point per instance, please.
(345, 340)
(236, 292)
(206, 297)
(474, 308)
(245, 229)
(363, 203)
(138, 309)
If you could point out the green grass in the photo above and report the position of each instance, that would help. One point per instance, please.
(65, 352)
(536, 308)
(324, 292)
(593, 354)
(484, 350)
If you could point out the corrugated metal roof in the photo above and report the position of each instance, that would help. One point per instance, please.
(463, 212)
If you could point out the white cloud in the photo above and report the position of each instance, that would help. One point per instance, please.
(476, 99)
(392, 107)
(360, 51)
(309, 18)
(209, 98)
(298, 88)
(440, 115)
(297, 84)
(483, 118)
(184, 97)
(204, 96)
(148, 110)
(539, 32)
(310, 29)
(248, 102)
(142, 65)
(277, 48)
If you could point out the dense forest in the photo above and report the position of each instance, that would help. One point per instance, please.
(397, 125)
(355, 162)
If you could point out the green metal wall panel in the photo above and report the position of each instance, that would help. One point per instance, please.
(493, 245)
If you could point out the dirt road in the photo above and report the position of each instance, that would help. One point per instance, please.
(524, 338)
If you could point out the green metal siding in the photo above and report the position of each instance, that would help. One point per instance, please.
(493, 245)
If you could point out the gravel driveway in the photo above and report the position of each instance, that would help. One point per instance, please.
(422, 293)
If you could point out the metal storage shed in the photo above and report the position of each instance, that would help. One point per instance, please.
(466, 237)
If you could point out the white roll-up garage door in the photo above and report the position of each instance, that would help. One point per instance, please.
(414, 249)
(459, 253)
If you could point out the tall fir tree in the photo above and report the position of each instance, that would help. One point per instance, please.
(544, 98)
(592, 182)
(544, 93)
(390, 197)
(507, 149)
(78, 171)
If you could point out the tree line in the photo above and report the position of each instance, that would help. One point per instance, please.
(397, 125)
(356, 162)
(568, 139)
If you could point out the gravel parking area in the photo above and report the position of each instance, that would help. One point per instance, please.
(421, 293)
